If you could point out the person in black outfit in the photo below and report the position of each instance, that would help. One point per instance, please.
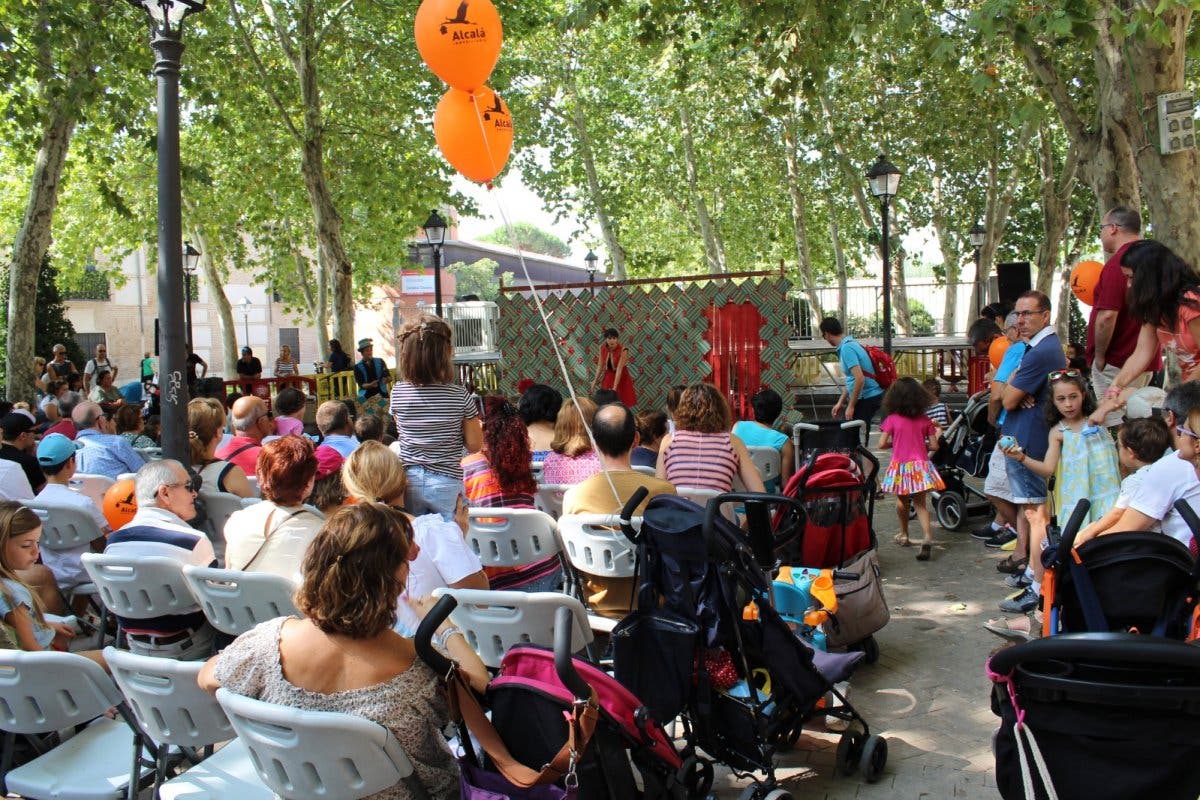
(339, 359)
(193, 363)
(370, 373)
(18, 446)
(249, 368)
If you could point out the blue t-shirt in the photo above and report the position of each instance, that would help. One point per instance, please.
(853, 354)
(1008, 365)
(1028, 425)
(15, 595)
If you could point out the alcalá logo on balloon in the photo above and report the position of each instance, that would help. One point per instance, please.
(460, 18)
(500, 111)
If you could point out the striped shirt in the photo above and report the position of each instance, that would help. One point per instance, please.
(701, 460)
(939, 413)
(429, 425)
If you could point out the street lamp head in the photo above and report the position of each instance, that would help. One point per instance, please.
(246, 304)
(435, 229)
(978, 234)
(168, 14)
(590, 259)
(191, 258)
(883, 178)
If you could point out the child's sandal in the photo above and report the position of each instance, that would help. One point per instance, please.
(902, 540)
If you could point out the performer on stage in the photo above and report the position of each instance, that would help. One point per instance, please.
(613, 364)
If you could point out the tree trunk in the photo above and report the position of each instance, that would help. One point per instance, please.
(714, 254)
(1055, 193)
(839, 256)
(212, 276)
(612, 243)
(901, 314)
(950, 256)
(30, 246)
(799, 219)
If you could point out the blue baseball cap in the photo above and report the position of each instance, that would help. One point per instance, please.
(56, 449)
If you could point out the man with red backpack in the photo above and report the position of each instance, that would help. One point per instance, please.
(863, 393)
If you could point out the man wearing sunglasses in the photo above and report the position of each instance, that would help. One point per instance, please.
(1023, 398)
(1112, 332)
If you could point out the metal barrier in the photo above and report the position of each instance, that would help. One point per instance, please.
(267, 388)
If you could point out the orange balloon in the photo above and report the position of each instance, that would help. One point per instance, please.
(1084, 278)
(474, 132)
(997, 349)
(120, 503)
(459, 40)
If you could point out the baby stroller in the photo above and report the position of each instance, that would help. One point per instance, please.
(706, 644)
(837, 496)
(1136, 582)
(965, 449)
(543, 699)
(1094, 715)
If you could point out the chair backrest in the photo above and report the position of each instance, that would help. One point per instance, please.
(512, 537)
(536, 468)
(150, 453)
(549, 498)
(594, 544)
(236, 601)
(495, 621)
(697, 495)
(140, 588)
(64, 527)
(165, 698)
(220, 507)
(253, 481)
(645, 470)
(767, 460)
(94, 486)
(48, 691)
(305, 754)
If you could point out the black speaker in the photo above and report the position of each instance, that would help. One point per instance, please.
(1013, 279)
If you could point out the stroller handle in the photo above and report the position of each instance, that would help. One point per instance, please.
(564, 621)
(1073, 525)
(627, 513)
(423, 640)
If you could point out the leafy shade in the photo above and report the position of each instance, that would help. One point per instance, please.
(530, 238)
(478, 278)
(50, 320)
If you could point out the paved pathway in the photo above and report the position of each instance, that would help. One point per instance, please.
(927, 694)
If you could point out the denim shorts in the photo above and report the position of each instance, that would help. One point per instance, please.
(1027, 487)
(431, 492)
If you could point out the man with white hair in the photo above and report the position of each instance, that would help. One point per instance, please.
(337, 430)
(166, 501)
(251, 423)
(104, 452)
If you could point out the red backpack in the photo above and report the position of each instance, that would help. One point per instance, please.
(885, 368)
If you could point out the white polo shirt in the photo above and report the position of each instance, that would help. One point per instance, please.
(1167, 480)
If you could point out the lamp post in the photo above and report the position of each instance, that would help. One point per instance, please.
(435, 236)
(246, 319)
(166, 39)
(590, 259)
(884, 180)
(191, 258)
(977, 235)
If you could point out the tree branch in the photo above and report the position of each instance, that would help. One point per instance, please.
(285, 39)
(337, 12)
(1043, 69)
(262, 71)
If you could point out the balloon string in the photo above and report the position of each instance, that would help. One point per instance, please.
(537, 300)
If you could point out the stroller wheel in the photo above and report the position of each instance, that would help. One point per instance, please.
(785, 740)
(870, 648)
(778, 794)
(849, 750)
(696, 775)
(749, 793)
(951, 510)
(873, 758)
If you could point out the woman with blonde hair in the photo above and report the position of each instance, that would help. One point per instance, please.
(206, 424)
(373, 474)
(702, 453)
(571, 458)
(344, 656)
(436, 419)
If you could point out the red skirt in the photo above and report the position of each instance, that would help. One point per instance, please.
(624, 389)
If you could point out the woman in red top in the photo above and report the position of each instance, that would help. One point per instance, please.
(613, 365)
(1164, 293)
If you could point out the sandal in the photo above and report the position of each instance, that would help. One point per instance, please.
(1011, 565)
(902, 539)
(925, 552)
(1017, 629)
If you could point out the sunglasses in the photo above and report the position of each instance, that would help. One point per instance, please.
(1184, 430)
(1026, 314)
(1059, 374)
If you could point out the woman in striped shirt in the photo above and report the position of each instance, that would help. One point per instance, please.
(702, 453)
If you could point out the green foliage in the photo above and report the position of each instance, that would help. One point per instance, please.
(50, 319)
(922, 322)
(478, 278)
(529, 237)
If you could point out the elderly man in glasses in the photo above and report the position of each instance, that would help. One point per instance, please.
(1023, 398)
(104, 452)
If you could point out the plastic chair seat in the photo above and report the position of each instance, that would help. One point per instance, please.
(494, 621)
(91, 765)
(594, 544)
(227, 773)
(234, 601)
(512, 537)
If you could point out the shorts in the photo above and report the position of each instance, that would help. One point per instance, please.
(1102, 380)
(996, 483)
(1028, 488)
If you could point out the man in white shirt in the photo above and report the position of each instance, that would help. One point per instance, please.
(56, 455)
(13, 483)
(95, 366)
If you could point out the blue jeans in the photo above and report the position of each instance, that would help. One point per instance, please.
(431, 492)
(1028, 488)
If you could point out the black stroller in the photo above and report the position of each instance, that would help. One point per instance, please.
(966, 449)
(707, 645)
(1097, 715)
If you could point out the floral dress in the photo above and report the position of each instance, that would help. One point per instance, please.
(1087, 467)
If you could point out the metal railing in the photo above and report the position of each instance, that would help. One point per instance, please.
(864, 308)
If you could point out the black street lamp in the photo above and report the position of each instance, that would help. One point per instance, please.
(166, 39)
(590, 259)
(435, 236)
(884, 180)
(977, 235)
(191, 259)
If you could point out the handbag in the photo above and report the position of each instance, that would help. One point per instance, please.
(479, 784)
(654, 656)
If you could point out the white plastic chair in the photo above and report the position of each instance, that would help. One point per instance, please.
(173, 710)
(306, 754)
(595, 545)
(150, 453)
(768, 462)
(549, 498)
(536, 468)
(65, 527)
(253, 481)
(645, 470)
(512, 537)
(234, 601)
(94, 486)
(220, 506)
(495, 621)
(697, 495)
(50, 691)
